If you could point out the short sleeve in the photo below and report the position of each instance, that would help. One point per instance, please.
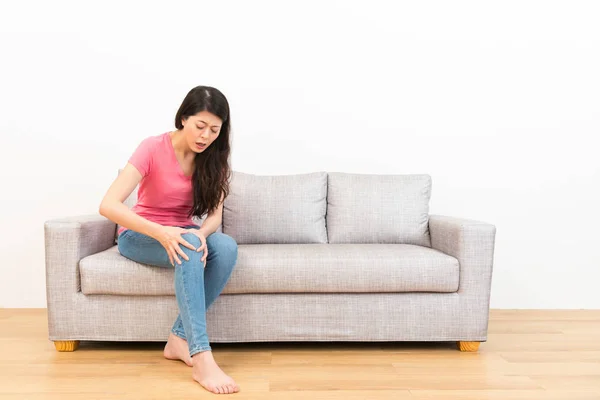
(141, 158)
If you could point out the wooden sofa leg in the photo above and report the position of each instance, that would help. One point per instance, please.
(66, 345)
(468, 346)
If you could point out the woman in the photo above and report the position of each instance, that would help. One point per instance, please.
(182, 174)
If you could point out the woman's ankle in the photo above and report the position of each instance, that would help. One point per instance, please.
(203, 355)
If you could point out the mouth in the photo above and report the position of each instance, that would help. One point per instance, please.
(201, 145)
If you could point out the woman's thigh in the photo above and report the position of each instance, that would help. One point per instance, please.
(147, 250)
(143, 249)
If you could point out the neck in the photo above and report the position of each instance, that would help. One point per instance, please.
(180, 145)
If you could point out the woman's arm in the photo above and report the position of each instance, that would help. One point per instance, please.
(112, 206)
(213, 220)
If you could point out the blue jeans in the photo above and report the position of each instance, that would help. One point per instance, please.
(196, 287)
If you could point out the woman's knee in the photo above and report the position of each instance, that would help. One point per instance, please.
(222, 242)
(194, 241)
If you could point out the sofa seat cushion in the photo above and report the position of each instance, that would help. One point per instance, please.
(290, 268)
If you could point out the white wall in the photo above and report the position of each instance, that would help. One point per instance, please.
(500, 103)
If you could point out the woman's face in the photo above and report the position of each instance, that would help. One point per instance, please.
(202, 128)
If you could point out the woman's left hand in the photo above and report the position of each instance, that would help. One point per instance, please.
(203, 246)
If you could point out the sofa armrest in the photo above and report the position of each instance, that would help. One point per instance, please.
(472, 243)
(67, 241)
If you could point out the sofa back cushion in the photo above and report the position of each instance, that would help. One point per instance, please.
(276, 208)
(363, 208)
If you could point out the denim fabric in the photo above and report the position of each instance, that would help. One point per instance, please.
(196, 286)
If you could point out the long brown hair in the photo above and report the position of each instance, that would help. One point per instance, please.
(212, 171)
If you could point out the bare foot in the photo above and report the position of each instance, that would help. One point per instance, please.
(207, 373)
(177, 349)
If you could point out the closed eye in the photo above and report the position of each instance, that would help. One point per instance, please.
(201, 127)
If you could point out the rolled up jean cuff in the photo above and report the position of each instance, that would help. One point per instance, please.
(178, 334)
(198, 349)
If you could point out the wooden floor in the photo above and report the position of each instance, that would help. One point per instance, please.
(529, 355)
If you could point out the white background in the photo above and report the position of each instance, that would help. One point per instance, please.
(499, 102)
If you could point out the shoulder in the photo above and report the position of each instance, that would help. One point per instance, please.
(154, 144)
(155, 141)
(144, 155)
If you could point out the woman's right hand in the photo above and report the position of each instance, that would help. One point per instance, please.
(170, 238)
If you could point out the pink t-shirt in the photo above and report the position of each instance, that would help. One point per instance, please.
(165, 192)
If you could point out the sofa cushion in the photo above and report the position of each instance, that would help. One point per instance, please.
(276, 208)
(290, 268)
(363, 208)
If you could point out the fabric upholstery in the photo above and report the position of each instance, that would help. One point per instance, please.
(276, 208)
(272, 317)
(363, 208)
(67, 241)
(471, 242)
(290, 268)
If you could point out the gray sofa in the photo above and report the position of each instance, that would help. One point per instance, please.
(321, 257)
